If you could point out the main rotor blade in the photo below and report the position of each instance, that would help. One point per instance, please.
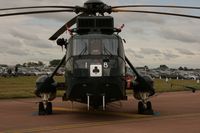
(155, 12)
(34, 12)
(36, 7)
(64, 28)
(163, 6)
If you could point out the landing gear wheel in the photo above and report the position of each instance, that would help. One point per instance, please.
(41, 109)
(149, 106)
(149, 110)
(145, 109)
(141, 108)
(49, 108)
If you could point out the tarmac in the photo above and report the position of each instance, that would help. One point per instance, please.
(177, 112)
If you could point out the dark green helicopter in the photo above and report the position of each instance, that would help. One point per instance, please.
(95, 61)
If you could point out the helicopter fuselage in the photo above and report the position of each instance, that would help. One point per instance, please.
(95, 67)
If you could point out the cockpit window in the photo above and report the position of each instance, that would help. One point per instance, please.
(80, 47)
(95, 47)
(110, 46)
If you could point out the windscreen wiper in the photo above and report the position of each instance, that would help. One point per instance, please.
(107, 51)
(84, 50)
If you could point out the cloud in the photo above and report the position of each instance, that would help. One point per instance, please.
(179, 35)
(133, 54)
(150, 51)
(170, 55)
(17, 52)
(137, 30)
(184, 51)
(38, 44)
(153, 53)
(26, 37)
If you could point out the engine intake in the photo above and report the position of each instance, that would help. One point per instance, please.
(143, 88)
(144, 84)
(46, 85)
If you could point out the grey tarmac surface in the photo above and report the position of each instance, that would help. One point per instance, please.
(175, 112)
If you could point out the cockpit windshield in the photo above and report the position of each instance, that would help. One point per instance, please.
(96, 46)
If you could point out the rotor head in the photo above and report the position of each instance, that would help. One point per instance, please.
(93, 1)
(96, 6)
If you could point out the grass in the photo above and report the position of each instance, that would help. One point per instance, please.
(163, 86)
(20, 87)
(23, 87)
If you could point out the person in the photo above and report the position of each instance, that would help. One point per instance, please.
(9, 71)
(16, 70)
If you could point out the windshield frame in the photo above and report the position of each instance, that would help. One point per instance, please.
(109, 45)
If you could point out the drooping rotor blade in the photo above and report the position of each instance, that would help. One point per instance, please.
(34, 12)
(163, 6)
(155, 12)
(64, 28)
(59, 65)
(132, 67)
(37, 7)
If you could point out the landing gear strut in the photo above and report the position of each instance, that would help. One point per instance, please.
(96, 104)
(45, 107)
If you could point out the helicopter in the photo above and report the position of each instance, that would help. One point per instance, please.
(95, 60)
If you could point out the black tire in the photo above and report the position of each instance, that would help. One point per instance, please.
(141, 108)
(149, 110)
(149, 106)
(41, 110)
(49, 108)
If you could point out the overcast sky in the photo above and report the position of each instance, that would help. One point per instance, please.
(151, 39)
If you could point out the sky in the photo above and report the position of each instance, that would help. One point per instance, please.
(151, 40)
